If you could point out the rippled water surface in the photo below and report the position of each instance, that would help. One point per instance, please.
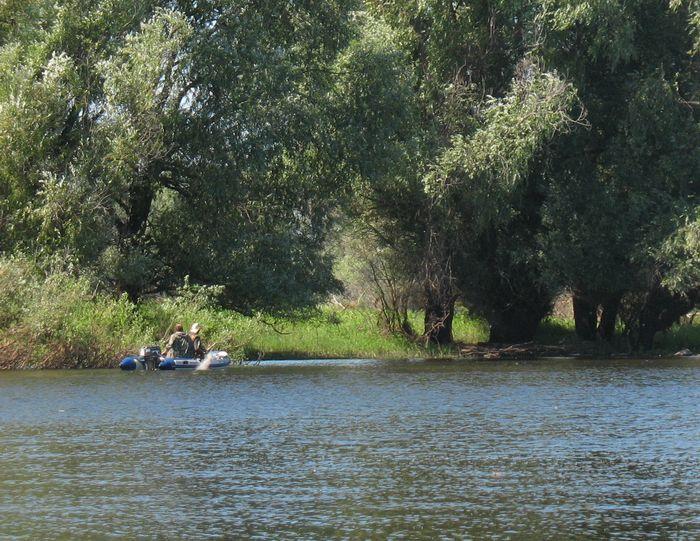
(355, 450)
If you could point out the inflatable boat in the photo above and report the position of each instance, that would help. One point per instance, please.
(150, 358)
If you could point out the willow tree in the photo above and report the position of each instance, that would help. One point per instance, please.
(375, 97)
(616, 191)
(479, 189)
(475, 82)
(149, 140)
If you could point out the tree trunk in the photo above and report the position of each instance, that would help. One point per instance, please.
(133, 292)
(647, 332)
(608, 318)
(585, 317)
(520, 318)
(138, 206)
(660, 311)
(439, 313)
(439, 286)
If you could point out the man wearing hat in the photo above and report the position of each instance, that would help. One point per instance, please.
(200, 349)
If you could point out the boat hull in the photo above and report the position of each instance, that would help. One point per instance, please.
(213, 359)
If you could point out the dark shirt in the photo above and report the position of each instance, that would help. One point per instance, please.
(200, 349)
(180, 345)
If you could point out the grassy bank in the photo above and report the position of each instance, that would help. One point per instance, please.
(64, 322)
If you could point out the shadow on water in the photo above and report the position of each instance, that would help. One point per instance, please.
(359, 449)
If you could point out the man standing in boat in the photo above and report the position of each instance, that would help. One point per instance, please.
(179, 344)
(200, 349)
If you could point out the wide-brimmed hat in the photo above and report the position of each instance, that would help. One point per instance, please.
(194, 329)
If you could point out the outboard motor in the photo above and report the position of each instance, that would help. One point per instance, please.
(151, 356)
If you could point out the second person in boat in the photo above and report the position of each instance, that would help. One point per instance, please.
(200, 350)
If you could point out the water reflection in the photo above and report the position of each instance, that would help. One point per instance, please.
(355, 450)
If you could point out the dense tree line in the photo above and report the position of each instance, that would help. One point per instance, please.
(497, 153)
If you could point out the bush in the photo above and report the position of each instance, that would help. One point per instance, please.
(17, 277)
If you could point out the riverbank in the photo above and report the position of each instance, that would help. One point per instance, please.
(98, 336)
(63, 322)
(97, 333)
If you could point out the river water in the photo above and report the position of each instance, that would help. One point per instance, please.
(551, 449)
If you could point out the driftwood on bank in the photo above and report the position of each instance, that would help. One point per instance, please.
(530, 350)
(527, 350)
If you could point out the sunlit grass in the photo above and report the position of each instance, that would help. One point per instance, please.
(353, 333)
(679, 337)
(555, 331)
(332, 332)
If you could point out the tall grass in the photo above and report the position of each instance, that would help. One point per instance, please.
(336, 332)
(60, 321)
(556, 331)
(679, 337)
(559, 331)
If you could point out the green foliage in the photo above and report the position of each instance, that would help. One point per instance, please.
(608, 26)
(681, 252)
(381, 236)
(480, 172)
(374, 97)
(460, 52)
(17, 277)
(691, 8)
(616, 192)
